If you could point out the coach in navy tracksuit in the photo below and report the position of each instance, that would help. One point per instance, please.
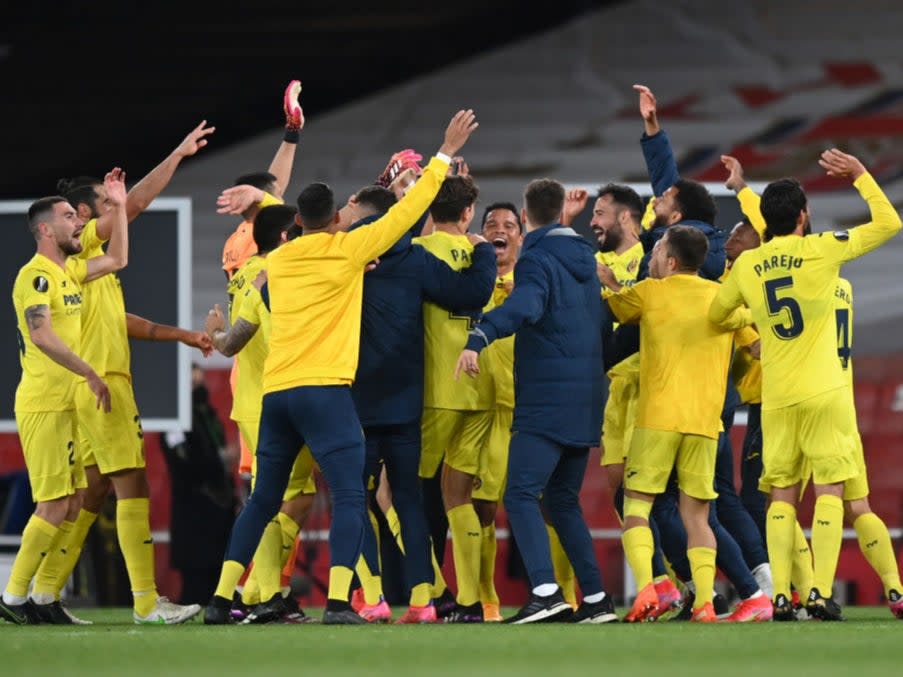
(388, 388)
(555, 311)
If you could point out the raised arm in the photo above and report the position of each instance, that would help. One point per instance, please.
(368, 242)
(656, 146)
(574, 203)
(470, 287)
(147, 189)
(749, 201)
(284, 160)
(885, 221)
(40, 330)
(117, 254)
(141, 328)
(727, 309)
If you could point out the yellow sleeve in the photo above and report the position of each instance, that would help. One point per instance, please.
(885, 221)
(749, 205)
(745, 336)
(367, 242)
(727, 301)
(251, 307)
(627, 304)
(269, 200)
(77, 268)
(35, 287)
(648, 216)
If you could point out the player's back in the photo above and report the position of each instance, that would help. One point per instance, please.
(789, 285)
(446, 332)
(683, 356)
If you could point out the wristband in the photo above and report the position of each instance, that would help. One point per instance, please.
(445, 158)
(291, 135)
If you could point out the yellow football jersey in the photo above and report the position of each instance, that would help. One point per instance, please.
(445, 334)
(105, 337)
(749, 205)
(789, 284)
(843, 310)
(625, 266)
(316, 285)
(499, 357)
(46, 385)
(676, 341)
(246, 303)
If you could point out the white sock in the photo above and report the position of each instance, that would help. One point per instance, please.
(9, 598)
(762, 574)
(691, 586)
(545, 590)
(594, 599)
(43, 598)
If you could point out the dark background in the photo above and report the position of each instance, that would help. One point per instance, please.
(89, 85)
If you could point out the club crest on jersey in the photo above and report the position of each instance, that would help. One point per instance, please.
(842, 235)
(632, 265)
(41, 284)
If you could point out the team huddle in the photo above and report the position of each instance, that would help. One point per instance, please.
(437, 371)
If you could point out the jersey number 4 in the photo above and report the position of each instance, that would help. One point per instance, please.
(777, 304)
(844, 349)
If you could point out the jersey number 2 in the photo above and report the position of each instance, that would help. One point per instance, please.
(776, 304)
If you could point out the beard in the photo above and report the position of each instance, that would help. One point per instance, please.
(71, 247)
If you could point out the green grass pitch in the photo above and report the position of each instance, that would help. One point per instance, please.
(867, 644)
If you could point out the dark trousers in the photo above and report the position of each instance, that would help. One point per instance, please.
(398, 446)
(325, 419)
(542, 469)
(755, 502)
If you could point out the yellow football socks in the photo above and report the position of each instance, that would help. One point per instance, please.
(488, 549)
(340, 583)
(38, 539)
(702, 568)
(638, 549)
(137, 546)
(780, 524)
(801, 568)
(827, 537)
(876, 546)
(466, 538)
(561, 565)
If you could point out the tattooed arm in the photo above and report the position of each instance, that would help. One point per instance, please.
(143, 329)
(231, 341)
(40, 330)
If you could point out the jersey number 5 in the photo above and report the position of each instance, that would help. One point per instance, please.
(776, 305)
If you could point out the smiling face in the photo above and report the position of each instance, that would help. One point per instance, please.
(606, 223)
(64, 227)
(667, 211)
(502, 230)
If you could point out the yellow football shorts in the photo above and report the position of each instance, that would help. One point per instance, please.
(654, 454)
(619, 418)
(489, 484)
(49, 443)
(301, 481)
(457, 436)
(817, 435)
(111, 441)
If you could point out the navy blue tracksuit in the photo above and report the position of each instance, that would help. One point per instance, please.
(556, 313)
(388, 388)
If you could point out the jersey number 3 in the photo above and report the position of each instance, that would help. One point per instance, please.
(777, 304)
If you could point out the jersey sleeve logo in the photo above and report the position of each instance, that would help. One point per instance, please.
(41, 284)
(842, 235)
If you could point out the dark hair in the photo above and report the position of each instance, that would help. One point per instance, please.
(502, 205)
(456, 194)
(262, 180)
(688, 245)
(40, 210)
(544, 200)
(292, 232)
(695, 202)
(624, 196)
(782, 202)
(316, 205)
(376, 198)
(80, 190)
(270, 223)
